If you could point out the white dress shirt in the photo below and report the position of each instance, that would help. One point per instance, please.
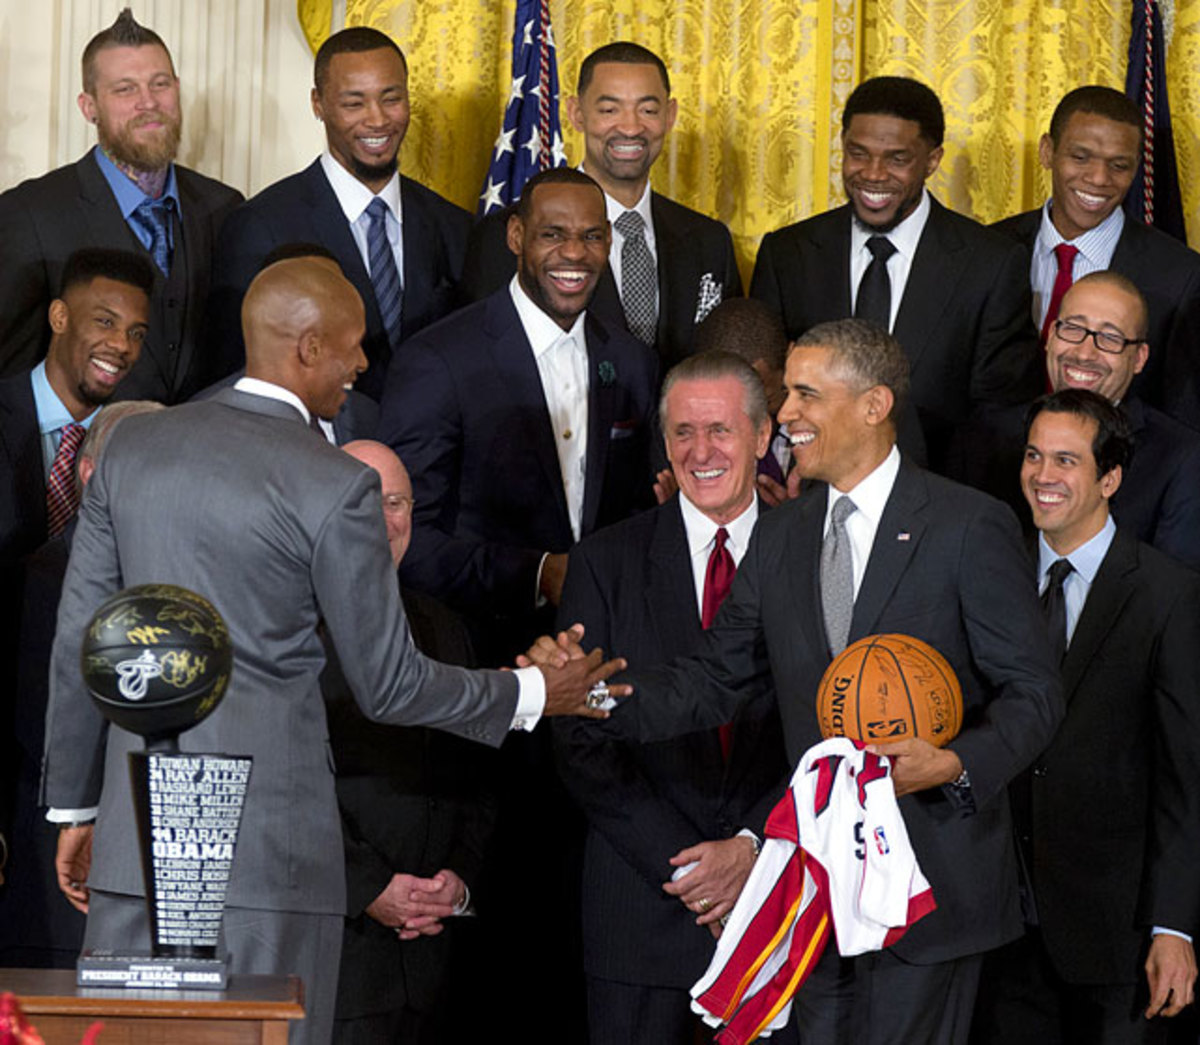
(1095, 246)
(905, 237)
(354, 198)
(701, 534)
(561, 357)
(1085, 562)
(870, 497)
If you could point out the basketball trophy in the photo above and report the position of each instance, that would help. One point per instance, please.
(156, 659)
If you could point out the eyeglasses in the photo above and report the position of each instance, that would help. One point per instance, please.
(398, 504)
(1104, 340)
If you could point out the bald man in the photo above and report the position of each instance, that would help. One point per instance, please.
(238, 499)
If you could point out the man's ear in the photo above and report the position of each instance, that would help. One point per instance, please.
(309, 348)
(58, 314)
(515, 233)
(879, 404)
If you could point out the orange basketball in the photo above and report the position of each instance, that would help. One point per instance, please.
(885, 688)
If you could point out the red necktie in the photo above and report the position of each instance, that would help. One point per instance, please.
(718, 578)
(1062, 283)
(62, 496)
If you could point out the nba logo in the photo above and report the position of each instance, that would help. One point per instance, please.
(881, 842)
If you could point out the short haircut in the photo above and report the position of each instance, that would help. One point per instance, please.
(901, 97)
(712, 366)
(285, 251)
(102, 425)
(124, 32)
(865, 354)
(1112, 444)
(1100, 101)
(356, 39)
(121, 265)
(1108, 277)
(555, 176)
(627, 53)
(747, 327)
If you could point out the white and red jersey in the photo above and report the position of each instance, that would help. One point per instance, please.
(836, 859)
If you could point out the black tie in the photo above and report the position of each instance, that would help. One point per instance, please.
(874, 300)
(1054, 607)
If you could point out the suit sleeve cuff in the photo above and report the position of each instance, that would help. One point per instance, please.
(72, 816)
(531, 698)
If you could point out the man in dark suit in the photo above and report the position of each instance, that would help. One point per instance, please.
(677, 820)
(955, 295)
(1092, 152)
(674, 264)
(1108, 817)
(878, 545)
(237, 498)
(125, 193)
(399, 243)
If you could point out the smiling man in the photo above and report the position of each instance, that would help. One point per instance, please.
(127, 193)
(668, 265)
(954, 294)
(1092, 151)
(398, 242)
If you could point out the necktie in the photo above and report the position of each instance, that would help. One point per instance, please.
(638, 278)
(837, 577)
(385, 277)
(1054, 607)
(1065, 254)
(718, 578)
(62, 497)
(874, 299)
(154, 216)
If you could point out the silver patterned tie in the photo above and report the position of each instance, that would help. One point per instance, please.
(837, 577)
(638, 278)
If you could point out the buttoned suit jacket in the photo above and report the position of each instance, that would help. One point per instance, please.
(465, 410)
(631, 587)
(237, 499)
(1115, 801)
(689, 246)
(303, 208)
(44, 220)
(948, 567)
(964, 321)
(1168, 275)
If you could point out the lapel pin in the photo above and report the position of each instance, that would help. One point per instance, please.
(904, 535)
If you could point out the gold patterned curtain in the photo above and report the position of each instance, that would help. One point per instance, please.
(761, 84)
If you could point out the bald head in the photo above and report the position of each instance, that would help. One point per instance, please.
(397, 491)
(303, 323)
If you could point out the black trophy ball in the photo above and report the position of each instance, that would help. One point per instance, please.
(156, 659)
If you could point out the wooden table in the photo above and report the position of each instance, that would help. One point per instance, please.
(254, 1009)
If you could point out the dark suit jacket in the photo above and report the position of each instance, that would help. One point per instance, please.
(964, 321)
(302, 208)
(464, 409)
(22, 471)
(631, 586)
(948, 567)
(42, 221)
(1168, 275)
(1116, 805)
(689, 246)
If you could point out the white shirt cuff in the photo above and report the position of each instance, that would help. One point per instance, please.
(531, 698)
(68, 816)
(1162, 930)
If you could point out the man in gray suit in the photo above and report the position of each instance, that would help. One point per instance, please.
(236, 498)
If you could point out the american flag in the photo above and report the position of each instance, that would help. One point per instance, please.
(530, 134)
(1154, 196)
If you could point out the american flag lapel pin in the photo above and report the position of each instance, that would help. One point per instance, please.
(904, 535)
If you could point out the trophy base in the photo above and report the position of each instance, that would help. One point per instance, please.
(143, 971)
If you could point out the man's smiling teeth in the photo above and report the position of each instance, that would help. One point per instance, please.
(1088, 200)
(570, 277)
(801, 438)
(1083, 377)
(708, 473)
(1049, 498)
(875, 199)
(628, 148)
(108, 368)
(375, 143)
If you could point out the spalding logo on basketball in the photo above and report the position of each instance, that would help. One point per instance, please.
(884, 688)
(156, 659)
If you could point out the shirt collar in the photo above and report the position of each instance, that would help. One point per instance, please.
(51, 414)
(353, 196)
(1095, 244)
(256, 386)
(1085, 560)
(701, 530)
(905, 237)
(127, 194)
(871, 494)
(541, 331)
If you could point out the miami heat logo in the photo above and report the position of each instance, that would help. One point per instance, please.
(134, 675)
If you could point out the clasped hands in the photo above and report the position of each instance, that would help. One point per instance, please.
(570, 673)
(416, 906)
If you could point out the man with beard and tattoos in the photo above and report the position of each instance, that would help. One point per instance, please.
(126, 193)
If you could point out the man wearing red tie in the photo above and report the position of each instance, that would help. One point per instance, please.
(672, 827)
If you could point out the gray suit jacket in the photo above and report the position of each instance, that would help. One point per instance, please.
(237, 499)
